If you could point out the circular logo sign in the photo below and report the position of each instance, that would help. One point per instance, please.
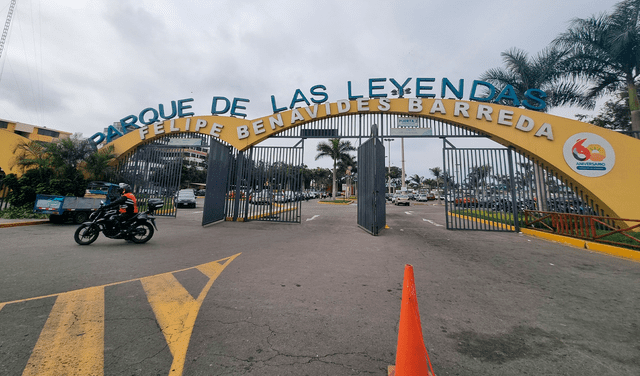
(589, 154)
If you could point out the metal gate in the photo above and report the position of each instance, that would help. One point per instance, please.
(153, 171)
(217, 182)
(371, 186)
(479, 189)
(265, 184)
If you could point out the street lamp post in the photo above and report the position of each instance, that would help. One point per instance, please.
(404, 184)
(389, 168)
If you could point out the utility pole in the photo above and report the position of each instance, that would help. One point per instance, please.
(404, 184)
(389, 168)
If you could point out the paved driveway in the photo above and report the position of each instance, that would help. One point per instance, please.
(317, 298)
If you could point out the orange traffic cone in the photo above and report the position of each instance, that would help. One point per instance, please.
(412, 358)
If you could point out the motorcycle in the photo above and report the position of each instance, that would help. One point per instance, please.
(138, 229)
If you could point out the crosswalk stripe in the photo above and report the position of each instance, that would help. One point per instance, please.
(72, 340)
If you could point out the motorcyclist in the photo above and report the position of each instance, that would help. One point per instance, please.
(127, 203)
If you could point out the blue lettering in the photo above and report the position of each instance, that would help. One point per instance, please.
(378, 87)
(508, 93)
(182, 107)
(173, 111)
(97, 138)
(419, 87)
(351, 97)
(447, 84)
(153, 119)
(536, 95)
(235, 107)
(473, 97)
(214, 105)
(129, 121)
(113, 133)
(273, 105)
(400, 87)
(298, 97)
(314, 91)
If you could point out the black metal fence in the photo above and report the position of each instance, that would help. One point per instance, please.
(4, 195)
(490, 188)
(265, 184)
(371, 186)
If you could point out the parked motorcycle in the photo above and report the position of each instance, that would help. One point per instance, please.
(138, 229)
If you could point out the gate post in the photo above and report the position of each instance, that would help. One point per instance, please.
(514, 200)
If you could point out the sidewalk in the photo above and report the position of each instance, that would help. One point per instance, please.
(21, 222)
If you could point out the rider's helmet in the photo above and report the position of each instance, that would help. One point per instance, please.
(124, 188)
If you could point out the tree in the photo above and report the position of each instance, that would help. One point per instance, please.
(540, 72)
(416, 181)
(97, 165)
(336, 150)
(605, 51)
(437, 173)
(614, 115)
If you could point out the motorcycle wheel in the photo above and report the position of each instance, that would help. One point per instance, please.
(141, 233)
(86, 234)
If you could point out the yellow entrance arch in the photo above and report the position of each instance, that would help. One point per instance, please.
(601, 163)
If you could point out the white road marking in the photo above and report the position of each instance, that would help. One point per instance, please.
(408, 213)
(312, 218)
(432, 222)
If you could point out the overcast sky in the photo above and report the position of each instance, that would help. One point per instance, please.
(81, 65)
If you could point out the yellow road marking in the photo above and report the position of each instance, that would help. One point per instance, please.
(72, 340)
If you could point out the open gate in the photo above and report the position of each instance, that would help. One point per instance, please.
(217, 182)
(371, 186)
(480, 189)
(153, 171)
(265, 184)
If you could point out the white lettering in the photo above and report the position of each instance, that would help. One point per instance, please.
(200, 124)
(343, 106)
(188, 124)
(384, 104)
(327, 108)
(258, 127)
(144, 130)
(484, 111)
(215, 129)
(524, 119)
(363, 104)
(243, 132)
(438, 106)
(312, 114)
(461, 108)
(296, 116)
(158, 128)
(545, 130)
(415, 104)
(172, 126)
(505, 117)
(276, 121)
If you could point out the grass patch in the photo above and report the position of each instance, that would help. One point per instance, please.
(338, 201)
(21, 212)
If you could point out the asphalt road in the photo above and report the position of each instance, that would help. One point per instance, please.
(317, 298)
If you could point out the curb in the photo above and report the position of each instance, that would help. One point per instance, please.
(17, 224)
(628, 254)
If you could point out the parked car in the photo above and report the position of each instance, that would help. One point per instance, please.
(421, 197)
(200, 192)
(185, 198)
(402, 199)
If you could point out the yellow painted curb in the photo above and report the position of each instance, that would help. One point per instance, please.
(16, 224)
(336, 203)
(625, 253)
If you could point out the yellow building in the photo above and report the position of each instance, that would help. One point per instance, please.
(13, 133)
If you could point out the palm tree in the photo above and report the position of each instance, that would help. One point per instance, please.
(605, 50)
(437, 173)
(416, 180)
(31, 154)
(97, 165)
(336, 150)
(540, 72)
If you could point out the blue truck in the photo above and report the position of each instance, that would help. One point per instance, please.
(77, 209)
